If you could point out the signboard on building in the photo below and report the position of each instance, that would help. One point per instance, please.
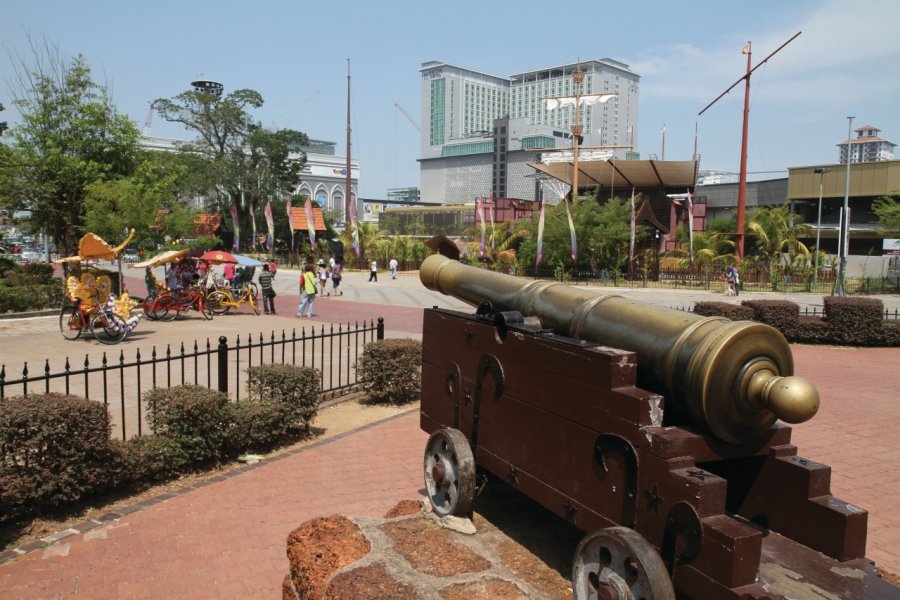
(371, 211)
(890, 247)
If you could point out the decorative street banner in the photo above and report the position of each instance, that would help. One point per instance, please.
(479, 204)
(253, 223)
(236, 224)
(491, 215)
(354, 222)
(310, 223)
(572, 233)
(540, 236)
(290, 221)
(270, 222)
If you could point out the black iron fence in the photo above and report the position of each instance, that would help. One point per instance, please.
(120, 383)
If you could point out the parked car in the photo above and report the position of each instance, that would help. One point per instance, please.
(130, 256)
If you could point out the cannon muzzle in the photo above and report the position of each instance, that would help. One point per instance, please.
(735, 378)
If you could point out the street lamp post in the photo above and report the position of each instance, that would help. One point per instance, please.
(845, 218)
(821, 171)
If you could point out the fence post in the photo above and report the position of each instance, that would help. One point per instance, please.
(380, 334)
(223, 364)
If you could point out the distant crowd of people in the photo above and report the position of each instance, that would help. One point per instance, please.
(313, 281)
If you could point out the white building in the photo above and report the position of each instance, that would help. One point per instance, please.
(324, 176)
(480, 131)
(867, 147)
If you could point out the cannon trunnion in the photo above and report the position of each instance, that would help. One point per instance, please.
(667, 508)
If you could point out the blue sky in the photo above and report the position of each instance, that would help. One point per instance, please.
(846, 62)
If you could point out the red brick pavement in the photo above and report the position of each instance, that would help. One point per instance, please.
(227, 539)
(857, 433)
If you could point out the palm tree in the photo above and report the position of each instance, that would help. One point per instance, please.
(776, 232)
(369, 234)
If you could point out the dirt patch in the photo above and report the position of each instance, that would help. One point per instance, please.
(335, 418)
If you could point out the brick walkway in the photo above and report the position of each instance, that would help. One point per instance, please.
(227, 539)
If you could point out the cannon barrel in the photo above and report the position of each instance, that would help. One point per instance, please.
(735, 378)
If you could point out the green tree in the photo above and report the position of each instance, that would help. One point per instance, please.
(369, 235)
(245, 165)
(602, 232)
(149, 201)
(776, 239)
(887, 211)
(70, 137)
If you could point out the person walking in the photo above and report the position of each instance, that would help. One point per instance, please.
(373, 271)
(268, 292)
(733, 280)
(323, 276)
(336, 276)
(307, 291)
(393, 266)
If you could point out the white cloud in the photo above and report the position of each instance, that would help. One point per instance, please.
(844, 47)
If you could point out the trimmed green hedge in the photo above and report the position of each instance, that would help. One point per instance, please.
(31, 297)
(391, 370)
(851, 321)
(55, 449)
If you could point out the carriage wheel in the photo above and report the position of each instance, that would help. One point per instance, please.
(449, 473)
(617, 563)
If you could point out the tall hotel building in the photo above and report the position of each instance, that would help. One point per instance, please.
(480, 131)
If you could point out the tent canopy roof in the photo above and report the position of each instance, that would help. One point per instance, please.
(640, 174)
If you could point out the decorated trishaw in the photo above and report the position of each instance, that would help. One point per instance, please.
(92, 306)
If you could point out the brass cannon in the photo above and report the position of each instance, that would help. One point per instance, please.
(655, 431)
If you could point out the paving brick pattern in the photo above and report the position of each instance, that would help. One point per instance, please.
(857, 433)
(227, 539)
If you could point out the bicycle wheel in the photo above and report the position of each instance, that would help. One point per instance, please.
(166, 308)
(254, 289)
(148, 306)
(219, 302)
(202, 306)
(251, 300)
(71, 323)
(108, 328)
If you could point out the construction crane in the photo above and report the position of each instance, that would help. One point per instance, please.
(292, 115)
(408, 116)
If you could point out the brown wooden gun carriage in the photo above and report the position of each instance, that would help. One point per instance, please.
(652, 430)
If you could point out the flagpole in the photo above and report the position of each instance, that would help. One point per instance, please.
(631, 238)
(577, 78)
(348, 204)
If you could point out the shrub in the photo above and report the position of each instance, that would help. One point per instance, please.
(258, 426)
(734, 312)
(297, 388)
(812, 330)
(780, 314)
(854, 320)
(34, 274)
(32, 297)
(8, 267)
(890, 334)
(194, 417)
(391, 370)
(54, 449)
(153, 458)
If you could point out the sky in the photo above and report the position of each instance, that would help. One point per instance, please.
(845, 63)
